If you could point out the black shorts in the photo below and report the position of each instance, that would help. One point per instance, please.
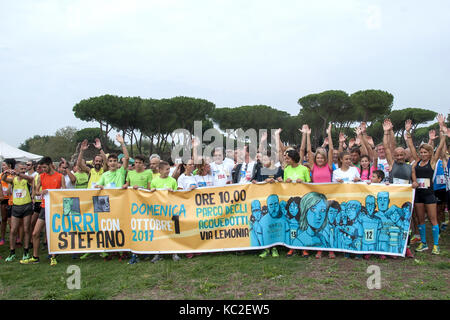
(8, 210)
(441, 196)
(22, 211)
(37, 207)
(425, 197)
(42, 214)
(448, 199)
(4, 201)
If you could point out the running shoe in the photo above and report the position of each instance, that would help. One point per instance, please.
(382, 257)
(85, 256)
(53, 262)
(305, 254)
(275, 253)
(189, 255)
(409, 253)
(436, 250)
(26, 256)
(415, 239)
(32, 260)
(264, 253)
(134, 259)
(367, 257)
(10, 258)
(156, 258)
(319, 254)
(175, 257)
(331, 255)
(290, 253)
(2, 242)
(123, 256)
(422, 247)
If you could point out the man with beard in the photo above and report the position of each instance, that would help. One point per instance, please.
(400, 171)
(100, 164)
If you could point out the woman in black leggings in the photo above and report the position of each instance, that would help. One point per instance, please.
(425, 200)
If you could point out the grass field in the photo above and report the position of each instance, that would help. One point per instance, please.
(230, 276)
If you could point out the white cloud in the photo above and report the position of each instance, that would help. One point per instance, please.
(373, 21)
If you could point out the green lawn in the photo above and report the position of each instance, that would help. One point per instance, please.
(230, 276)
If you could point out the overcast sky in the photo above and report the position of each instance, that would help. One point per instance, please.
(55, 53)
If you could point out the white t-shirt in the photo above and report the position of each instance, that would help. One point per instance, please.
(346, 176)
(69, 184)
(204, 181)
(229, 165)
(185, 182)
(31, 175)
(220, 174)
(245, 176)
(383, 165)
(172, 170)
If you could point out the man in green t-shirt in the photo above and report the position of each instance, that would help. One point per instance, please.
(115, 176)
(164, 181)
(139, 177)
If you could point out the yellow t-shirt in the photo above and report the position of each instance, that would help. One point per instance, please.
(20, 193)
(94, 176)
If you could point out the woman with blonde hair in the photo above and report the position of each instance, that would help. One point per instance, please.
(321, 165)
(422, 177)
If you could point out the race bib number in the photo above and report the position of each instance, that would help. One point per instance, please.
(369, 234)
(400, 181)
(5, 191)
(19, 193)
(424, 183)
(440, 179)
(38, 198)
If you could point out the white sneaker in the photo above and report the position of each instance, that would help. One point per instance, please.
(175, 257)
(156, 258)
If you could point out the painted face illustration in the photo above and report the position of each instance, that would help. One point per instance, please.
(383, 200)
(370, 204)
(316, 214)
(256, 209)
(273, 205)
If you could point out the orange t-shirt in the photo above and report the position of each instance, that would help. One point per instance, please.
(6, 189)
(50, 181)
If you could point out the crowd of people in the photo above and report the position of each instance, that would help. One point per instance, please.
(425, 167)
